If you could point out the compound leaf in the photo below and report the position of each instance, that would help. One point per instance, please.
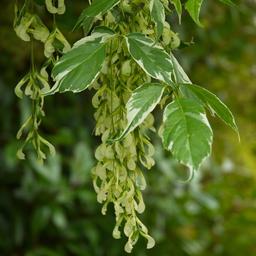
(214, 104)
(186, 132)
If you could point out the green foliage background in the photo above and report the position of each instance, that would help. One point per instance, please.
(51, 210)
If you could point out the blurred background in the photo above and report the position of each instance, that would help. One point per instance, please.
(51, 210)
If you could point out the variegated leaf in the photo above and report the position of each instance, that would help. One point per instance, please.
(214, 104)
(80, 66)
(143, 101)
(158, 15)
(150, 57)
(180, 77)
(179, 74)
(187, 133)
(98, 7)
(178, 8)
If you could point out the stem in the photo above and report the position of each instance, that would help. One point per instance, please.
(32, 56)
(54, 16)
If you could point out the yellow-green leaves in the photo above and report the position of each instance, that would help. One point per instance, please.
(193, 7)
(143, 100)
(158, 15)
(79, 67)
(187, 133)
(150, 57)
(55, 9)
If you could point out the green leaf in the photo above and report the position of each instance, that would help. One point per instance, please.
(150, 57)
(179, 74)
(158, 14)
(186, 132)
(193, 7)
(142, 101)
(79, 67)
(98, 7)
(178, 8)
(87, 24)
(214, 104)
(180, 77)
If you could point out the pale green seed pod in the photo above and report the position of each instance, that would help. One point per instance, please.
(126, 69)
(60, 9)
(170, 38)
(126, 6)
(39, 30)
(49, 47)
(22, 28)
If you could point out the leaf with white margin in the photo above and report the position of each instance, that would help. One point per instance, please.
(193, 7)
(208, 98)
(179, 74)
(152, 58)
(186, 132)
(158, 14)
(78, 68)
(214, 104)
(180, 77)
(178, 8)
(98, 7)
(142, 101)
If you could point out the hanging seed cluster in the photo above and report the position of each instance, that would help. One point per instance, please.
(118, 177)
(30, 28)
